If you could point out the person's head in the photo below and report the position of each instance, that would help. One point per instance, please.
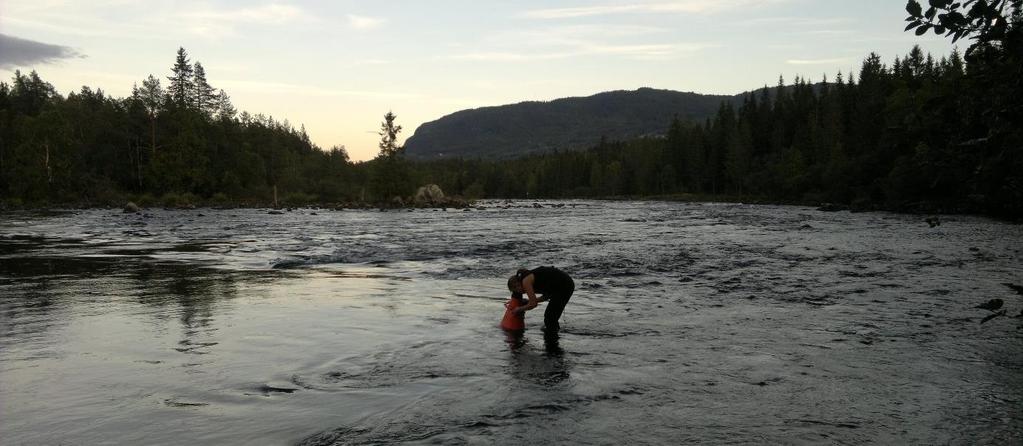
(515, 284)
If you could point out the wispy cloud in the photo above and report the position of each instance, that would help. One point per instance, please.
(150, 20)
(272, 13)
(498, 56)
(801, 22)
(562, 42)
(216, 23)
(831, 61)
(16, 52)
(678, 6)
(363, 22)
(658, 51)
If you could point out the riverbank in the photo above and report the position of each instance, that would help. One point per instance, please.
(906, 207)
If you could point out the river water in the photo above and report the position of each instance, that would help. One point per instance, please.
(703, 323)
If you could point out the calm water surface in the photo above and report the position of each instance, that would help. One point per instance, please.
(702, 323)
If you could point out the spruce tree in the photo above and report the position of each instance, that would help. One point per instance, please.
(181, 82)
(151, 95)
(204, 96)
(225, 109)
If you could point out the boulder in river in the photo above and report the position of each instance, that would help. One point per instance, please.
(429, 194)
(131, 208)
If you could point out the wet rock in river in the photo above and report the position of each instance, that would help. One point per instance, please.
(429, 194)
(131, 208)
(1018, 289)
(991, 305)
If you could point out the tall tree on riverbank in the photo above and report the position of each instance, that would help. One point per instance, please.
(389, 146)
(152, 99)
(181, 82)
(995, 79)
(391, 175)
(205, 97)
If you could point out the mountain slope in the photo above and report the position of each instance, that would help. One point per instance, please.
(571, 123)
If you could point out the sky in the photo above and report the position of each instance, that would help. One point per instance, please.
(338, 66)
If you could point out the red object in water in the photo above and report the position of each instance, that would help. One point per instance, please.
(513, 321)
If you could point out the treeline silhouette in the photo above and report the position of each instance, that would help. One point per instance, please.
(173, 146)
(913, 135)
(910, 136)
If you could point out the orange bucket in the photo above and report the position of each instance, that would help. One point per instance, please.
(511, 320)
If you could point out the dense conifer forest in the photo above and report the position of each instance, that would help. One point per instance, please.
(917, 133)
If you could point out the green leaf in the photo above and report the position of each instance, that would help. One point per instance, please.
(923, 29)
(938, 29)
(930, 13)
(911, 26)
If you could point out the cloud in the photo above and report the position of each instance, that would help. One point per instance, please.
(654, 51)
(832, 61)
(677, 7)
(498, 56)
(363, 22)
(17, 52)
(217, 23)
(796, 21)
(272, 13)
(562, 42)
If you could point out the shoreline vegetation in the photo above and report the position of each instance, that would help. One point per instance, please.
(919, 135)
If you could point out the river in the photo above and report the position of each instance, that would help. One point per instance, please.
(691, 323)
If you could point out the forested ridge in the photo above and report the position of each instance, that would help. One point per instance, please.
(917, 133)
(909, 135)
(528, 128)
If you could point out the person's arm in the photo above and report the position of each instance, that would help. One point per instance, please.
(527, 286)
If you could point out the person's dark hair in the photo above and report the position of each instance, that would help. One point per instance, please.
(513, 282)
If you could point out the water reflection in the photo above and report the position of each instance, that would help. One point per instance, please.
(548, 368)
(516, 339)
(42, 294)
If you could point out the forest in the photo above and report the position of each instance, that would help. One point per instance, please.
(917, 133)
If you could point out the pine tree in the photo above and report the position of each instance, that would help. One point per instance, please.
(389, 137)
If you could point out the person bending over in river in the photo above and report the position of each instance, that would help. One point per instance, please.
(553, 284)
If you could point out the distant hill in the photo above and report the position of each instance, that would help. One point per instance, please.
(564, 124)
